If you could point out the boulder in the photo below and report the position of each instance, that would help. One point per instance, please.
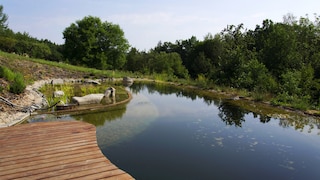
(127, 81)
(57, 81)
(58, 94)
(88, 99)
(110, 92)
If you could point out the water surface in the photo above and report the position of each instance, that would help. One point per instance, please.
(166, 133)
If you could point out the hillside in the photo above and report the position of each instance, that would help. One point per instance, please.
(32, 71)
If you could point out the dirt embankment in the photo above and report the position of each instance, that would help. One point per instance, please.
(34, 72)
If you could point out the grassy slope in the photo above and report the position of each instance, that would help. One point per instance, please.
(36, 69)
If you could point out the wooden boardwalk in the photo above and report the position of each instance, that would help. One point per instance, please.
(54, 150)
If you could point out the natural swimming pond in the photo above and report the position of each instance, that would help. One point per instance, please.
(168, 133)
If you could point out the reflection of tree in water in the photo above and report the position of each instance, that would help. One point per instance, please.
(99, 118)
(301, 123)
(137, 87)
(231, 114)
(263, 118)
(164, 89)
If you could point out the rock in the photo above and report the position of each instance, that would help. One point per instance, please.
(110, 92)
(127, 81)
(89, 81)
(88, 99)
(57, 81)
(235, 98)
(58, 94)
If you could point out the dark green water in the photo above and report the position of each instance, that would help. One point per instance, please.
(164, 133)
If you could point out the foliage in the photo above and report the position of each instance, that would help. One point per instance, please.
(3, 19)
(282, 59)
(24, 44)
(169, 64)
(95, 44)
(18, 84)
(290, 83)
(6, 73)
(201, 81)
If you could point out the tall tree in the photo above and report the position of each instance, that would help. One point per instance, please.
(277, 47)
(95, 44)
(3, 19)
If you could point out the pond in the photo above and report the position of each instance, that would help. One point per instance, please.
(169, 133)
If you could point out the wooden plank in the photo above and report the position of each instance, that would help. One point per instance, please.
(54, 150)
(35, 164)
(13, 156)
(116, 175)
(90, 173)
(48, 155)
(74, 168)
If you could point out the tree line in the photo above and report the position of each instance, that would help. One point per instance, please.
(278, 58)
(23, 44)
(282, 59)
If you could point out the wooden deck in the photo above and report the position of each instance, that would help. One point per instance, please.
(54, 150)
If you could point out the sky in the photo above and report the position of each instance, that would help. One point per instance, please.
(146, 22)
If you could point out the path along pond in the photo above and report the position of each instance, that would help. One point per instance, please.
(169, 133)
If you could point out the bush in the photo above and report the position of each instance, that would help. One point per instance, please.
(18, 85)
(6, 73)
(202, 81)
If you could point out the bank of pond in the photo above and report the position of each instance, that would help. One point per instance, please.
(176, 132)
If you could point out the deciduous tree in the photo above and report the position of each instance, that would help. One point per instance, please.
(96, 44)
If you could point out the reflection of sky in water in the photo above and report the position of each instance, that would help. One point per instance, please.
(171, 105)
(289, 148)
(139, 114)
(265, 148)
(165, 137)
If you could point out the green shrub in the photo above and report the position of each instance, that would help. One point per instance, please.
(202, 81)
(18, 84)
(6, 73)
(257, 96)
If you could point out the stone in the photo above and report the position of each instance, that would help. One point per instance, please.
(127, 81)
(58, 94)
(90, 81)
(88, 99)
(110, 92)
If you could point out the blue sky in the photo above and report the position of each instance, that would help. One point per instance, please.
(146, 22)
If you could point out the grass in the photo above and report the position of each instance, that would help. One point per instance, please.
(90, 71)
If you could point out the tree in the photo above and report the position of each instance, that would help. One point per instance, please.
(3, 19)
(277, 46)
(136, 61)
(96, 44)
